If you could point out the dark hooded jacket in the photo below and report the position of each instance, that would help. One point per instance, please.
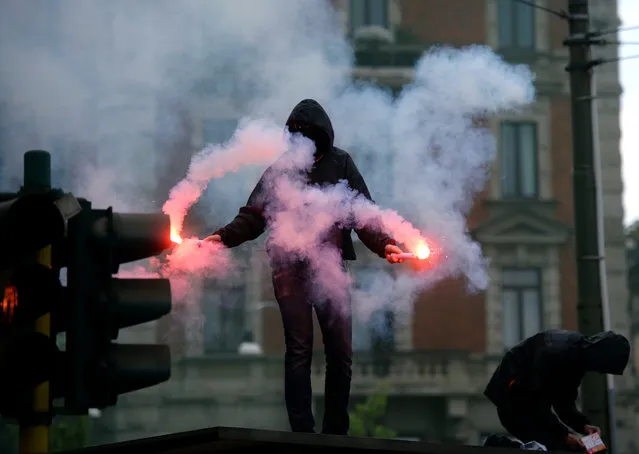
(545, 371)
(331, 165)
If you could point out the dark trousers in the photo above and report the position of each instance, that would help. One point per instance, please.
(335, 321)
(527, 422)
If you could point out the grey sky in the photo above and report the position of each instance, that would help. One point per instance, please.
(629, 13)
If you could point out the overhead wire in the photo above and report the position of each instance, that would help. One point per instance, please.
(591, 38)
(559, 13)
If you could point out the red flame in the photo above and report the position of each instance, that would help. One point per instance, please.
(175, 236)
(9, 303)
(422, 251)
(427, 254)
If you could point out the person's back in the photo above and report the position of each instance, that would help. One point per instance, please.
(548, 359)
(516, 363)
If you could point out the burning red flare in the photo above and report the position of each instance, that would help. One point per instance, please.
(175, 236)
(423, 251)
(9, 304)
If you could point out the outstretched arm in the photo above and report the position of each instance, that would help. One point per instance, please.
(373, 238)
(249, 222)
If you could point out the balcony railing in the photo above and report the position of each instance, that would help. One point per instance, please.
(411, 372)
(388, 55)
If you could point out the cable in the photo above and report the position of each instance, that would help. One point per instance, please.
(592, 38)
(561, 13)
(610, 31)
(601, 61)
(587, 66)
(588, 40)
(564, 15)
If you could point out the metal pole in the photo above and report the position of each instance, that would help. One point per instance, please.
(590, 314)
(605, 301)
(34, 432)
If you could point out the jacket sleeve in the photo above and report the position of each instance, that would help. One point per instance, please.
(552, 424)
(566, 409)
(372, 237)
(249, 222)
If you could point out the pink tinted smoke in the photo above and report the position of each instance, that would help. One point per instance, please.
(203, 259)
(189, 261)
(137, 272)
(302, 215)
(370, 215)
(254, 143)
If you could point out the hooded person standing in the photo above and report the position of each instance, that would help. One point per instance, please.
(291, 281)
(543, 373)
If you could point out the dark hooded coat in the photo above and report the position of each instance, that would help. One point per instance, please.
(546, 370)
(332, 165)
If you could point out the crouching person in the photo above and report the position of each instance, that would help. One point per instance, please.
(543, 373)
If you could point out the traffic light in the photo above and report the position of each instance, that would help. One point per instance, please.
(27, 224)
(30, 289)
(98, 242)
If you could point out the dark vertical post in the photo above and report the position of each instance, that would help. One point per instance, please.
(37, 171)
(34, 431)
(590, 310)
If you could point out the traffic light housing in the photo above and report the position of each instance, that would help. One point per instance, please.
(44, 230)
(27, 224)
(99, 241)
(29, 290)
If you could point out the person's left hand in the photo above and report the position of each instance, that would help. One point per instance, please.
(592, 430)
(391, 249)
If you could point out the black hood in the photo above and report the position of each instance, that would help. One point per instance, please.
(606, 353)
(315, 124)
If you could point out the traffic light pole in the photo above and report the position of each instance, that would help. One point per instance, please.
(591, 288)
(34, 432)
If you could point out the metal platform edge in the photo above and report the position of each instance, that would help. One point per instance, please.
(228, 439)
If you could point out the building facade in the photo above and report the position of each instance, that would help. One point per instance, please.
(445, 350)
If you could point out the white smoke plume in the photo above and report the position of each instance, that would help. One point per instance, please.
(116, 91)
(254, 144)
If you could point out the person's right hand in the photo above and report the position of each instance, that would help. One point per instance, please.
(213, 238)
(574, 442)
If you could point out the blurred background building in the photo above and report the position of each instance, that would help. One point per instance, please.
(437, 359)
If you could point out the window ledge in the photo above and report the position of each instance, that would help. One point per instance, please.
(527, 55)
(374, 34)
(519, 202)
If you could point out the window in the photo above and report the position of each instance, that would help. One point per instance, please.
(521, 304)
(224, 325)
(516, 25)
(366, 13)
(217, 131)
(518, 147)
